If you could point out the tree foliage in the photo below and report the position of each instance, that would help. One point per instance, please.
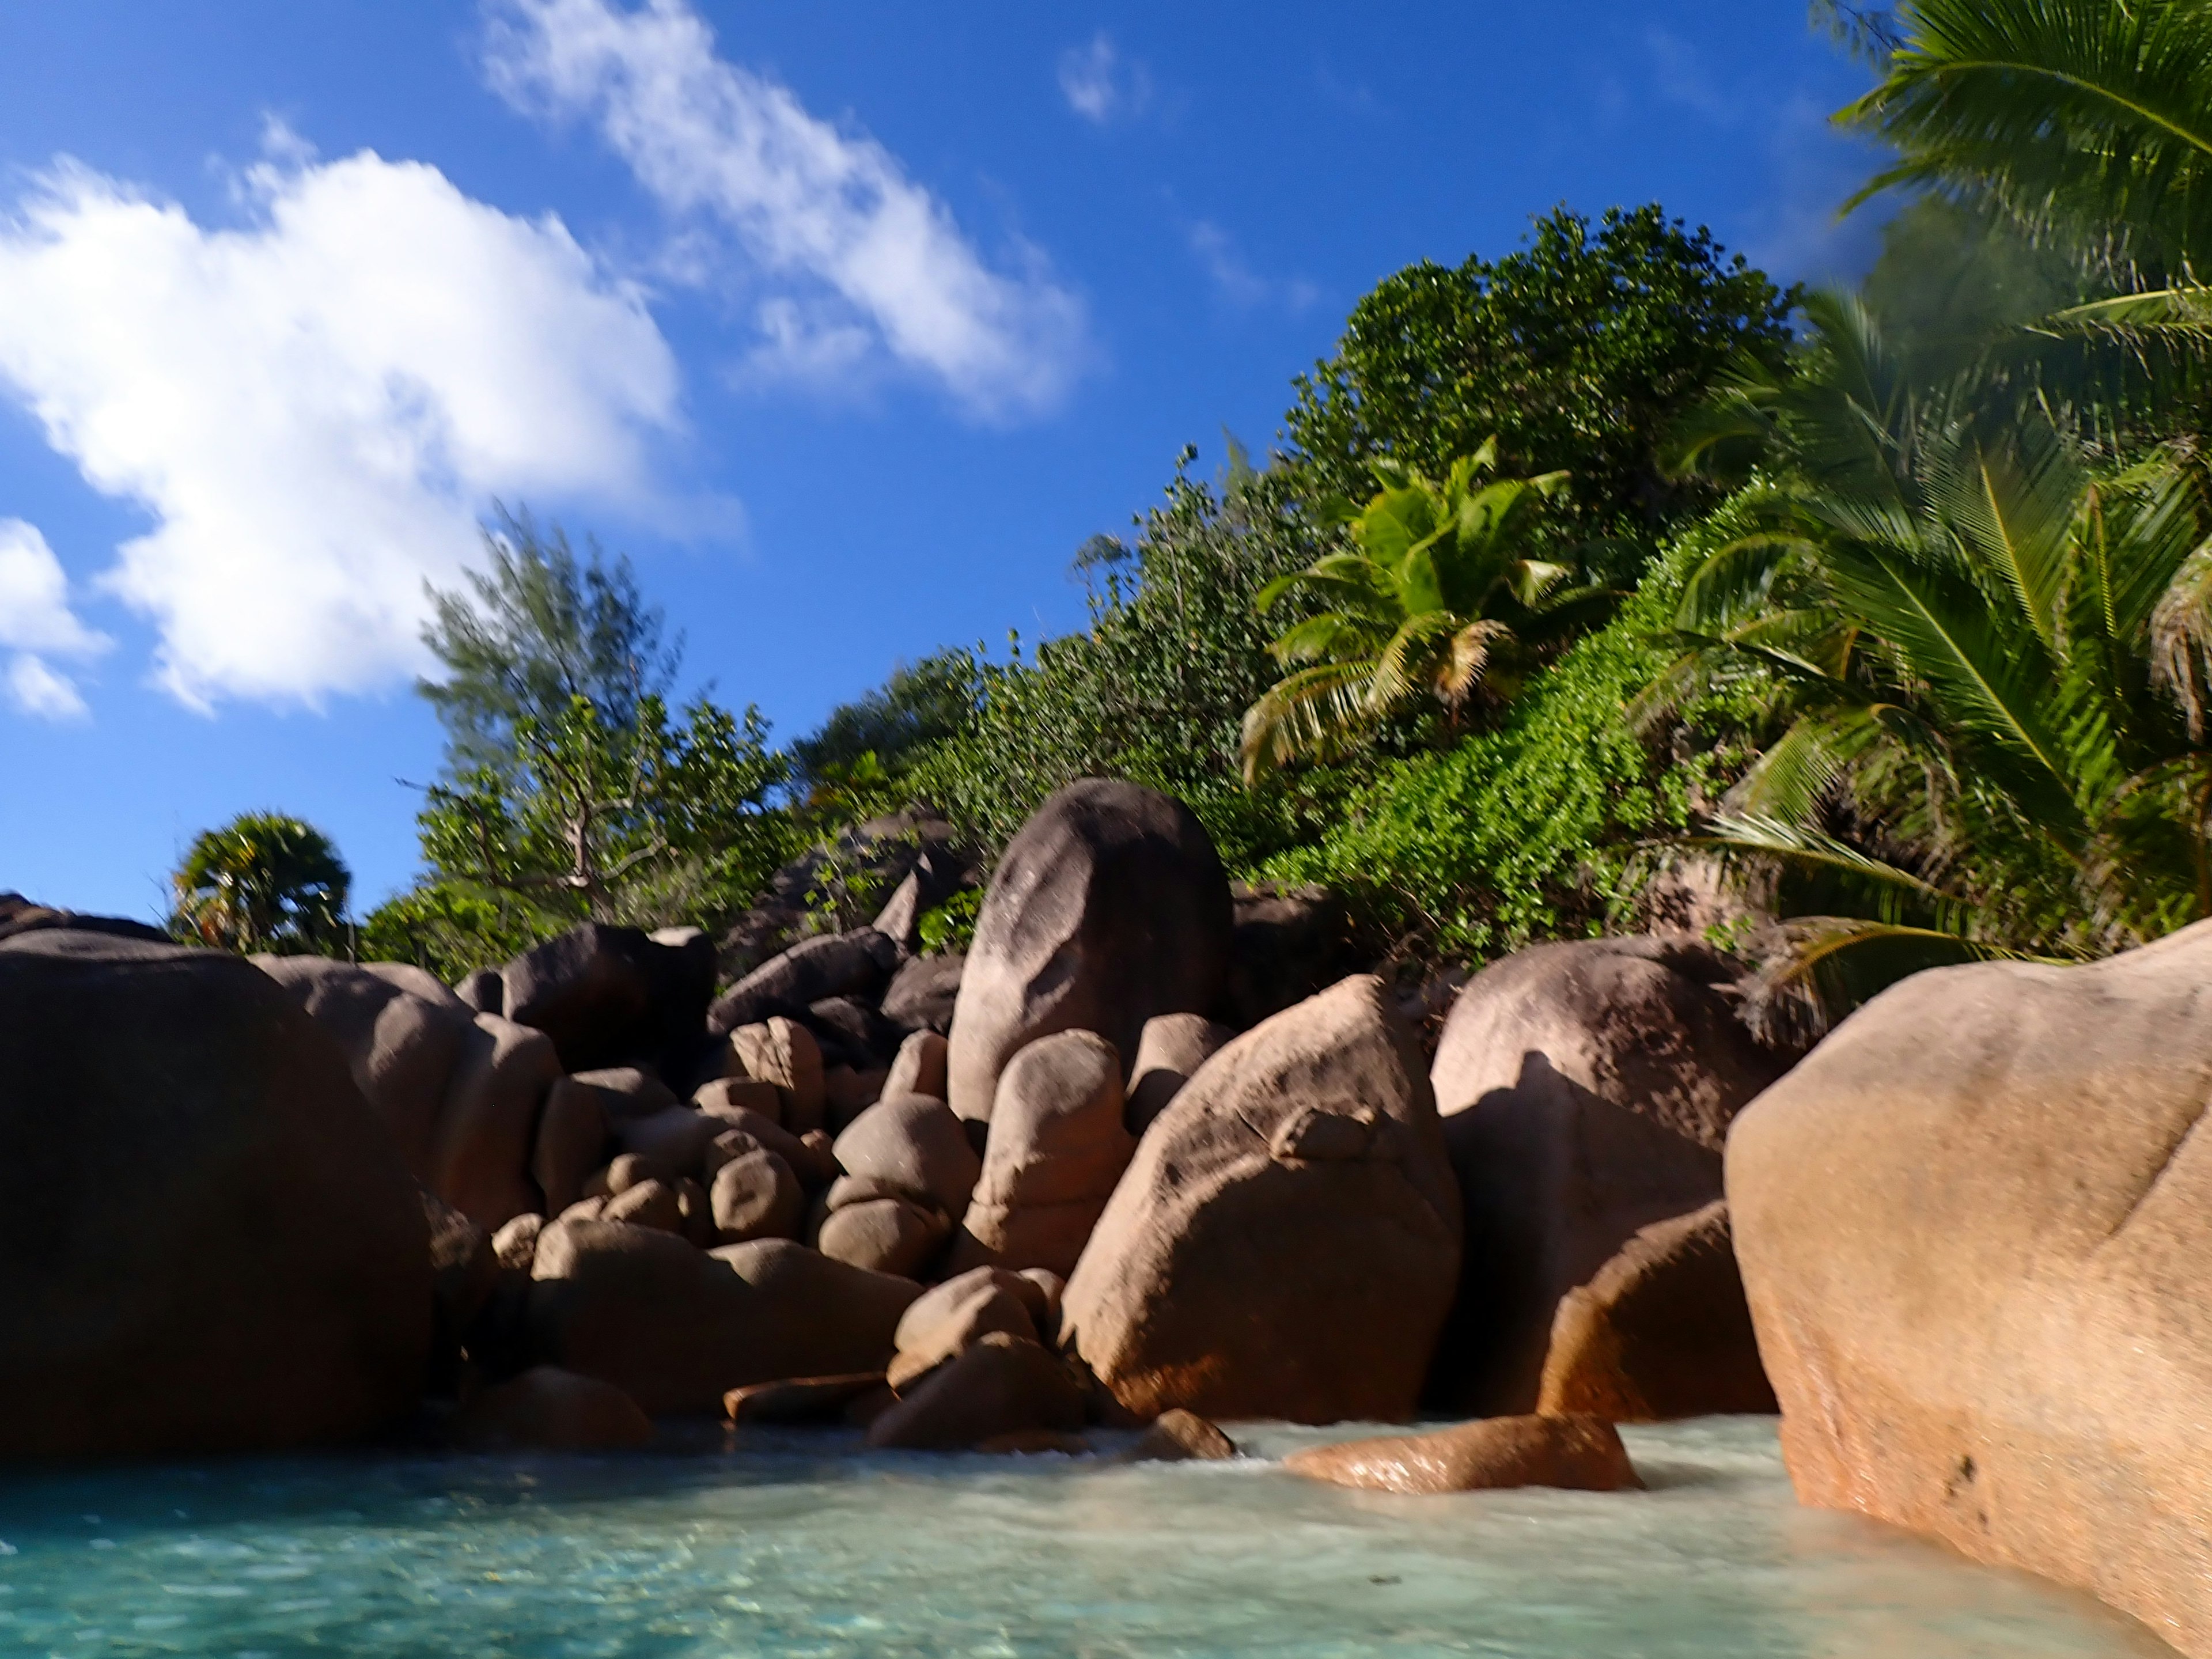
(1982, 652)
(1576, 352)
(532, 632)
(1437, 597)
(263, 881)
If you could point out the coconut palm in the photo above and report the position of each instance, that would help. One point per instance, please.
(1437, 597)
(1985, 656)
(2088, 125)
(263, 881)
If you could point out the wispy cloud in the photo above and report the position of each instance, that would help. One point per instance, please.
(312, 408)
(37, 624)
(1234, 278)
(852, 248)
(1680, 77)
(1100, 84)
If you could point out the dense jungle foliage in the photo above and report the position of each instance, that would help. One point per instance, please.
(1888, 612)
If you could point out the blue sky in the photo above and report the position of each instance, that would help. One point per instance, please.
(847, 323)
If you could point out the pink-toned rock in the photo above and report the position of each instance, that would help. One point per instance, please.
(1057, 1147)
(1170, 1050)
(914, 1146)
(756, 1195)
(1109, 906)
(1179, 1437)
(799, 1399)
(948, 1320)
(1001, 1385)
(1662, 1332)
(675, 1138)
(1583, 1454)
(918, 1068)
(480, 1158)
(884, 1235)
(1975, 1227)
(727, 1096)
(783, 1052)
(649, 1204)
(1586, 1089)
(1285, 1242)
(572, 1141)
(515, 1244)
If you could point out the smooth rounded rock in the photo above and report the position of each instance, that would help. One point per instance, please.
(1109, 906)
(1583, 1454)
(1001, 1385)
(1237, 1272)
(884, 1235)
(549, 1409)
(914, 1144)
(1057, 1148)
(756, 1195)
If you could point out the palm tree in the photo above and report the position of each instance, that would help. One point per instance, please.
(1986, 656)
(263, 881)
(1438, 597)
(2087, 125)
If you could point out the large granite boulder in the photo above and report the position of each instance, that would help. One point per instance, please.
(1975, 1227)
(858, 964)
(1285, 1242)
(1586, 1089)
(1056, 1150)
(459, 1091)
(1662, 1332)
(208, 1241)
(1109, 906)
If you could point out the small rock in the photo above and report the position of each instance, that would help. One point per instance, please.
(726, 1096)
(1002, 1385)
(756, 1195)
(799, 1399)
(1035, 1443)
(921, 994)
(1177, 1436)
(915, 1145)
(1583, 1454)
(572, 1139)
(847, 1093)
(649, 1204)
(549, 1409)
(1171, 1048)
(947, 1320)
(919, 1068)
(884, 1235)
(515, 1244)
(675, 1139)
(783, 1052)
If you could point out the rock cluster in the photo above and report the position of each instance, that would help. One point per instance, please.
(1146, 1155)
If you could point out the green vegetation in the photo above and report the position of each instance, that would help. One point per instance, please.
(1903, 616)
(571, 791)
(1436, 598)
(261, 882)
(1576, 352)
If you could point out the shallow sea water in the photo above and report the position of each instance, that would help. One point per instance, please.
(804, 1545)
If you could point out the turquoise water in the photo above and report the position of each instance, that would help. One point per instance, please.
(794, 1545)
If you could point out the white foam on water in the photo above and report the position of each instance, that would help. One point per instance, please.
(804, 1547)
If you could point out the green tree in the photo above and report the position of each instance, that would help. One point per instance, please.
(875, 738)
(596, 819)
(571, 791)
(1437, 598)
(1982, 650)
(534, 631)
(1576, 352)
(261, 882)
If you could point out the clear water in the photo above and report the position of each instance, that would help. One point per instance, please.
(794, 1545)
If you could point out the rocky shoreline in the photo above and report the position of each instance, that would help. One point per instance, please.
(1146, 1155)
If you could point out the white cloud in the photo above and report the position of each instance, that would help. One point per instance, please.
(1233, 275)
(314, 408)
(36, 622)
(1100, 84)
(36, 687)
(860, 248)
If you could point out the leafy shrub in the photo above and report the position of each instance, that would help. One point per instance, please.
(1539, 826)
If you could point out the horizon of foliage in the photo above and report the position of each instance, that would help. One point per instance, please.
(1902, 609)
